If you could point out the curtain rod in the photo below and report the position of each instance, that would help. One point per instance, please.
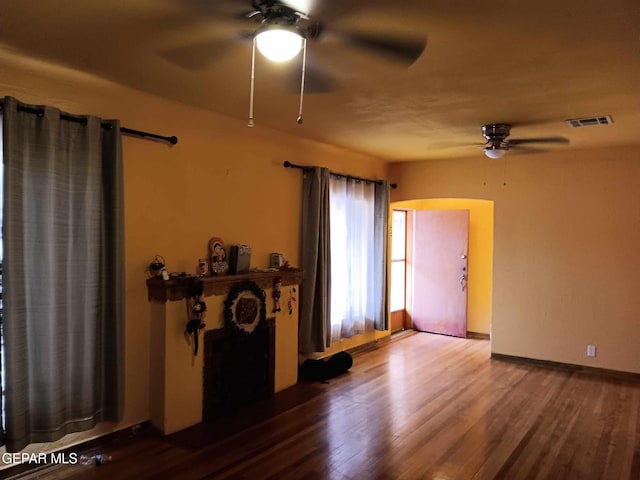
(125, 131)
(288, 164)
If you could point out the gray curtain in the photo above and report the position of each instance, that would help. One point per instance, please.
(381, 275)
(63, 273)
(314, 332)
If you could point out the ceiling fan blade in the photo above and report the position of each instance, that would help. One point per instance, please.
(404, 50)
(227, 8)
(520, 141)
(316, 81)
(198, 56)
(526, 150)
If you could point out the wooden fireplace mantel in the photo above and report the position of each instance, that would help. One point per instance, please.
(159, 290)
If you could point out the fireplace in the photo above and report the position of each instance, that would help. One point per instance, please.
(176, 389)
(238, 369)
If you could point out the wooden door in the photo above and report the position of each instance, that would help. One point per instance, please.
(440, 249)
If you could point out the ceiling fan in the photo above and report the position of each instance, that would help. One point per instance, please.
(497, 143)
(283, 26)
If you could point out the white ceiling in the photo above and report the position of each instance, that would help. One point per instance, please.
(532, 63)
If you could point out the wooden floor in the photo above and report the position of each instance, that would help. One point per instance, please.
(424, 407)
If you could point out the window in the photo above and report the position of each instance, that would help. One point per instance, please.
(345, 258)
(352, 220)
(398, 260)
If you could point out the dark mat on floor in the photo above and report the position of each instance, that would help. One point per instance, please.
(205, 434)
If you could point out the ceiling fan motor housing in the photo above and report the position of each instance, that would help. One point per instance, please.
(496, 131)
(496, 135)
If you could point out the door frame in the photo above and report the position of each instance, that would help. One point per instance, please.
(481, 227)
(401, 319)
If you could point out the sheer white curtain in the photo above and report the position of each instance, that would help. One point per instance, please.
(353, 266)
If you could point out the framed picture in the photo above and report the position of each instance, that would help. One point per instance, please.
(245, 307)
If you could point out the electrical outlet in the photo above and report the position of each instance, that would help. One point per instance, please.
(591, 350)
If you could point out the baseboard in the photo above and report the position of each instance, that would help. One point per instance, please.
(568, 367)
(478, 335)
(366, 347)
(374, 344)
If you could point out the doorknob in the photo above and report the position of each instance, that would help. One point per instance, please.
(463, 281)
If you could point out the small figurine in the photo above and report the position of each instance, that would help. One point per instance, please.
(292, 300)
(197, 312)
(203, 267)
(156, 267)
(218, 256)
(277, 283)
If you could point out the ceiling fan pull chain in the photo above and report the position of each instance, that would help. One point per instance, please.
(253, 77)
(504, 173)
(304, 68)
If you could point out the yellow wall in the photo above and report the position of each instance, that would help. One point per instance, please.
(566, 256)
(221, 179)
(480, 254)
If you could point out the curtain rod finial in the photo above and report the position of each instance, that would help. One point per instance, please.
(286, 164)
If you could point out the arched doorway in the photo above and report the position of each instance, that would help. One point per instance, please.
(480, 265)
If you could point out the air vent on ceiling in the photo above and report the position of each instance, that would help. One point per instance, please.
(588, 121)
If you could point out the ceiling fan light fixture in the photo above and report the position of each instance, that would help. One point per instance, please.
(279, 43)
(494, 152)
